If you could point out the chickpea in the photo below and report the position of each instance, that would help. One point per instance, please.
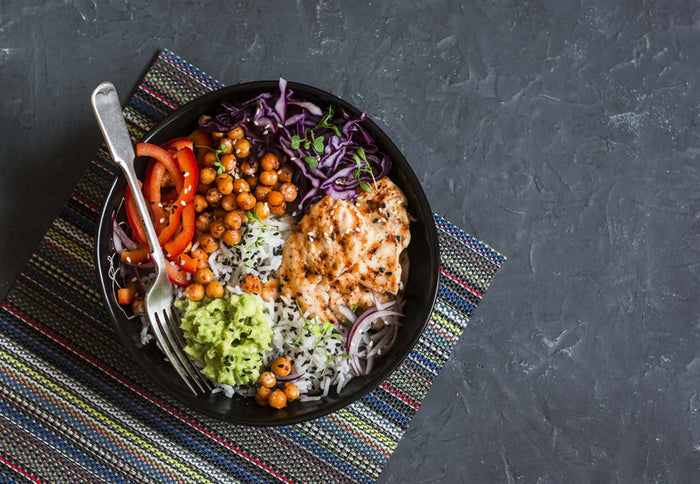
(262, 210)
(269, 162)
(236, 133)
(194, 292)
(200, 256)
(203, 222)
(251, 284)
(253, 182)
(280, 209)
(261, 193)
(204, 276)
(229, 162)
(245, 200)
(209, 158)
(217, 135)
(277, 399)
(261, 395)
(288, 191)
(285, 173)
(214, 196)
(267, 379)
(275, 198)
(219, 212)
(217, 228)
(291, 391)
(200, 203)
(208, 243)
(232, 237)
(226, 145)
(224, 183)
(242, 148)
(281, 366)
(207, 175)
(233, 220)
(215, 289)
(247, 168)
(240, 186)
(202, 188)
(268, 177)
(228, 203)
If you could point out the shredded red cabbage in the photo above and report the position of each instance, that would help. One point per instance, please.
(334, 154)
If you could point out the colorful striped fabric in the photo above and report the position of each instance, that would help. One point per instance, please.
(75, 408)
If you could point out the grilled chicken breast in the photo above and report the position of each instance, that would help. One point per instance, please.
(341, 251)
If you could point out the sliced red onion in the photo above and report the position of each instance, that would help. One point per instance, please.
(358, 338)
(385, 344)
(118, 233)
(380, 305)
(379, 334)
(365, 322)
(117, 243)
(347, 313)
(290, 377)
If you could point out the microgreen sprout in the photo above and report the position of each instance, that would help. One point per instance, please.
(217, 152)
(363, 166)
(310, 140)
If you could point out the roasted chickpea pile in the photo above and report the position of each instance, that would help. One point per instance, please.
(272, 394)
(231, 183)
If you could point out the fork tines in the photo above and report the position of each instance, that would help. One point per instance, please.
(168, 336)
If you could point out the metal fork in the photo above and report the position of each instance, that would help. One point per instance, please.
(159, 298)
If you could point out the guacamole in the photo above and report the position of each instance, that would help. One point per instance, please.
(228, 336)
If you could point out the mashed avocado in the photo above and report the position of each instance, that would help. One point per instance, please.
(228, 336)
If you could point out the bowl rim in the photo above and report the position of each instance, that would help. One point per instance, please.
(136, 353)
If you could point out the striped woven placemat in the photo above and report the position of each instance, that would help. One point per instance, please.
(74, 407)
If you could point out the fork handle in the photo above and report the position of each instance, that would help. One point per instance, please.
(110, 118)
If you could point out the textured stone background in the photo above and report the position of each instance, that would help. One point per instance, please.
(563, 133)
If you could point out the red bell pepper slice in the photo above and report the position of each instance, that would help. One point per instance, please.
(179, 242)
(190, 175)
(179, 143)
(135, 256)
(181, 163)
(188, 165)
(132, 215)
(187, 263)
(163, 156)
(177, 275)
(152, 192)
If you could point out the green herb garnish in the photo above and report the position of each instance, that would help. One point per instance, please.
(310, 140)
(312, 161)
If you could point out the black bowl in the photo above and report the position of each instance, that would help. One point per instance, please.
(421, 288)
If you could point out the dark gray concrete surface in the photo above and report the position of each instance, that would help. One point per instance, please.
(563, 133)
